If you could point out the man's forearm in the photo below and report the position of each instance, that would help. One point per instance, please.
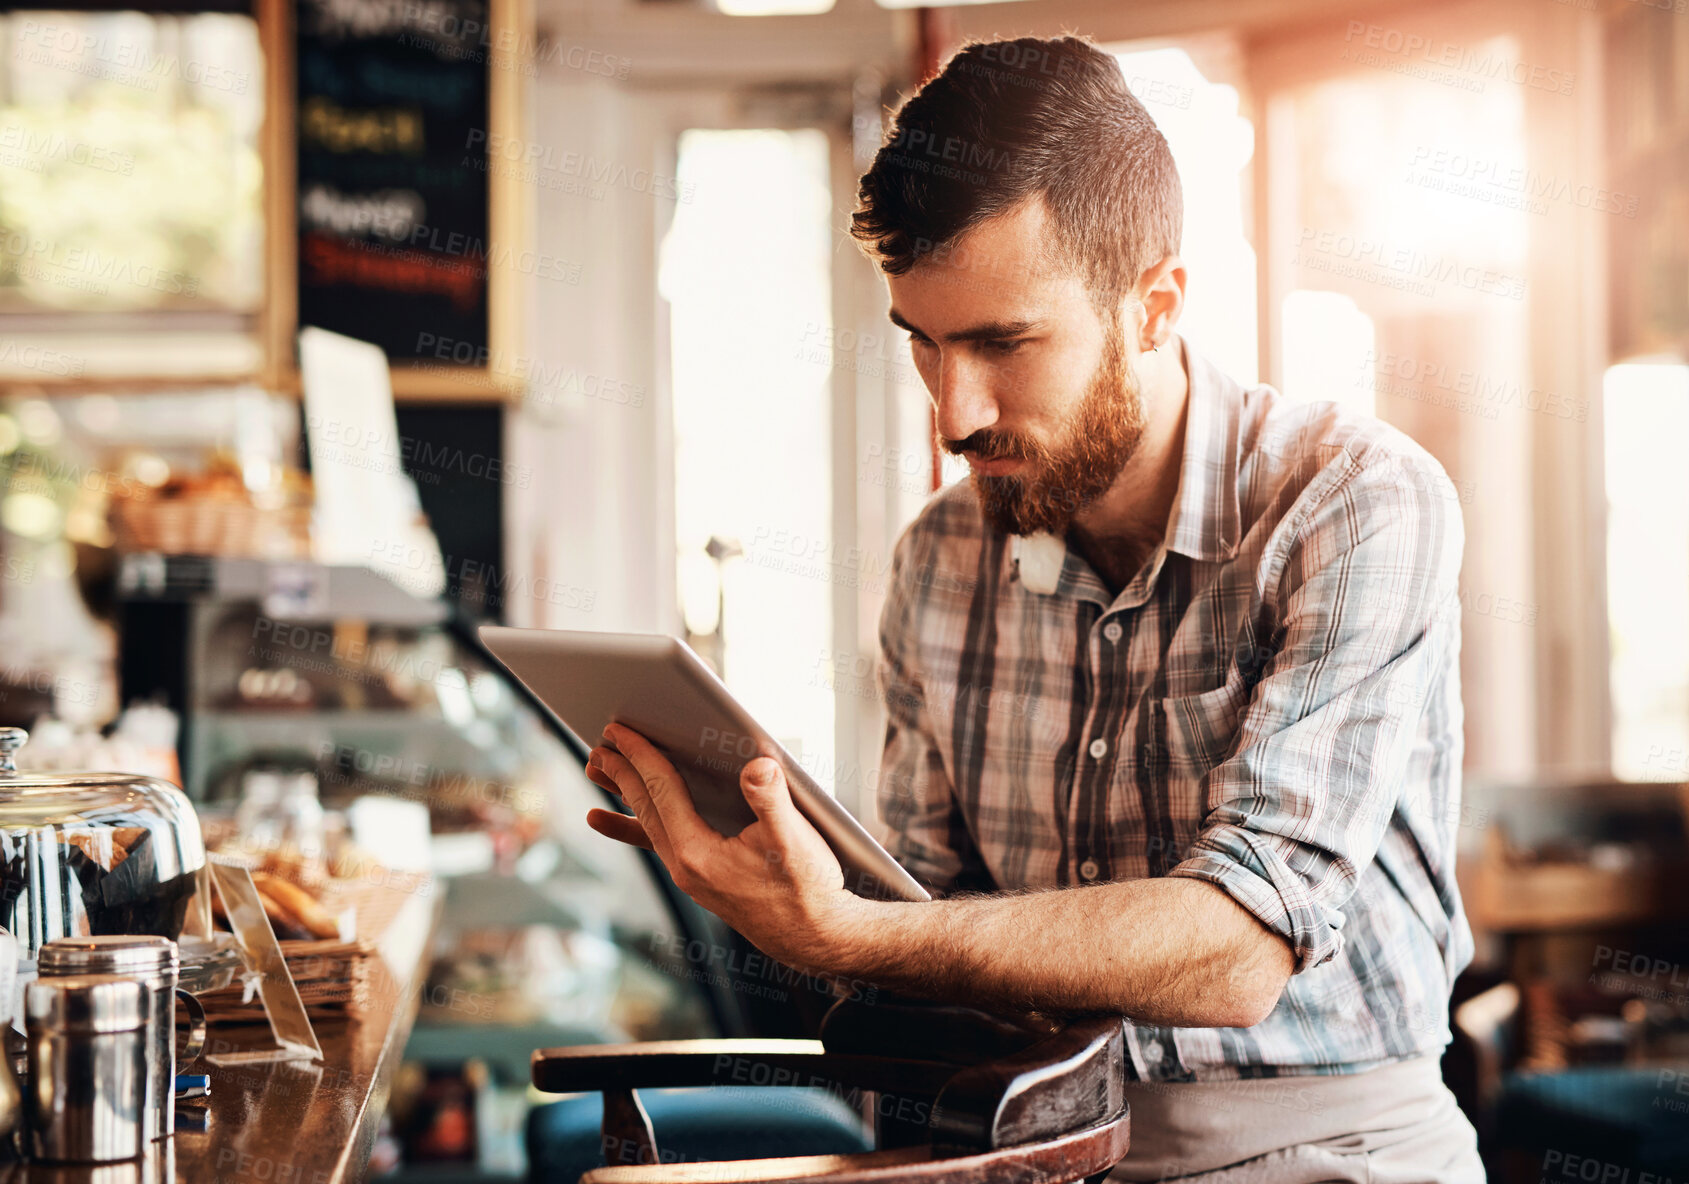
(1178, 952)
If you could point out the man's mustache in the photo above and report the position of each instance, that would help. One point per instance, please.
(991, 446)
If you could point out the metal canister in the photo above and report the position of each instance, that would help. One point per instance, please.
(87, 1096)
(151, 962)
(11, 1094)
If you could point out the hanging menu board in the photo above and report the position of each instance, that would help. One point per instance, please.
(393, 210)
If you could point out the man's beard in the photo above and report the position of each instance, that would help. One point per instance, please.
(1064, 479)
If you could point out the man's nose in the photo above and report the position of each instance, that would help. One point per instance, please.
(963, 402)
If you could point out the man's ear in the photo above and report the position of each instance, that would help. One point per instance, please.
(1161, 291)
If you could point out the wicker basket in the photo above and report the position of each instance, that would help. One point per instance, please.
(211, 526)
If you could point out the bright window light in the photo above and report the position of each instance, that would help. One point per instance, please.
(746, 271)
(1647, 420)
(129, 169)
(1329, 347)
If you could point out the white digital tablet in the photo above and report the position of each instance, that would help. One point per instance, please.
(656, 685)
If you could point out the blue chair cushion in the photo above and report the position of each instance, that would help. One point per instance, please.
(720, 1122)
(1631, 1117)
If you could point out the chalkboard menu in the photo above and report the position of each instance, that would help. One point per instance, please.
(391, 122)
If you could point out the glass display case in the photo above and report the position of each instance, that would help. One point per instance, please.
(290, 675)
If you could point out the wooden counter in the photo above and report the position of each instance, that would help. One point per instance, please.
(293, 1122)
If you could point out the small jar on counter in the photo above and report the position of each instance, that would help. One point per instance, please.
(86, 1098)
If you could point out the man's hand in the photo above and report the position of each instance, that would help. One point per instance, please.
(777, 882)
(1178, 952)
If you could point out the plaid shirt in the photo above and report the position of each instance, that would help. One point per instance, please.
(1271, 705)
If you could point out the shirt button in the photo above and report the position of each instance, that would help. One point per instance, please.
(1099, 748)
(1154, 1052)
(1089, 869)
(1112, 630)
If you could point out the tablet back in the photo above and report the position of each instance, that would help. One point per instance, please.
(657, 686)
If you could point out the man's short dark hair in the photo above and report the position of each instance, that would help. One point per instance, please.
(1005, 121)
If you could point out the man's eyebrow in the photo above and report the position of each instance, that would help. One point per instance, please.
(989, 331)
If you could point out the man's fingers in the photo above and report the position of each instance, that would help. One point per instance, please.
(632, 789)
(663, 784)
(619, 827)
(603, 780)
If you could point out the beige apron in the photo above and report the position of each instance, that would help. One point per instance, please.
(1393, 1125)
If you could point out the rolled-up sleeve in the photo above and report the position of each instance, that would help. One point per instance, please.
(920, 821)
(1369, 616)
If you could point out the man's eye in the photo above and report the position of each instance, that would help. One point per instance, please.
(1005, 347)
(916, 340)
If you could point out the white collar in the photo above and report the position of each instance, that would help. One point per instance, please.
(1039, 557)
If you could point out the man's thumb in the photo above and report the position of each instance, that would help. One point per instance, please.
(764, 785)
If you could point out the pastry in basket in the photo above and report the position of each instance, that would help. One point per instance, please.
(294, 913)
(299, 904)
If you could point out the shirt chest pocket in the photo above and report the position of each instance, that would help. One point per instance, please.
(1200, 731)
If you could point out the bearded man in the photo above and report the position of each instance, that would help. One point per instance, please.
(1214, 784)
